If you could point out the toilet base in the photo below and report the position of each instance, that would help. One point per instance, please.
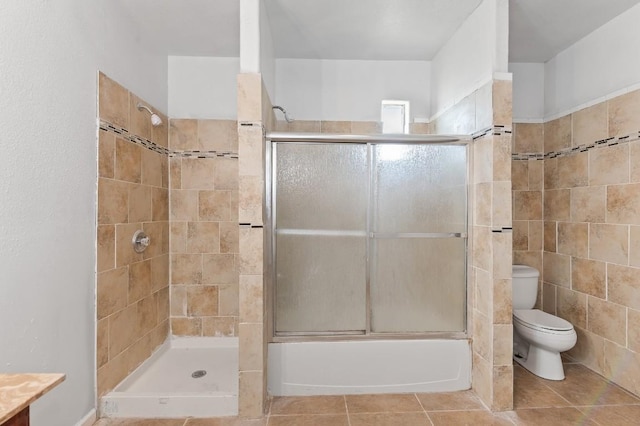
(543, 363)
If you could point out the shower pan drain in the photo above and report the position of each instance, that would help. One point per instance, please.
(198, 373)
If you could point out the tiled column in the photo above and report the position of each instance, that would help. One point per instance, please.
(252, 374)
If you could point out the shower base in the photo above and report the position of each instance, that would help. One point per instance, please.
(163, 386)
(366, 367)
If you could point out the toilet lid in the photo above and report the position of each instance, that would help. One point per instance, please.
(536, 318)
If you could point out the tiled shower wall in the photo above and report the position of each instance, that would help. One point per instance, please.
(486, 114)
(590, 207)
(204, 227)
(132, 288)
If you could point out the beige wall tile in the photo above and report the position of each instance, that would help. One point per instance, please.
(217, 135)
(520, 175)
(219, 269)
(482, 379)
(634, 161)
(549, 298)
(527, 205)
(161, 133)
(633, 330)
(502, 249)
(139, 281)
(481, 248)
(102, 342)
(414, 128)
(529, 137)
(228, 300)
(609, 165)
(502, 344)
(589, 276)
(160, 272)
(483, 203)
(502, 102)
(483, 159)
(139, 203)
(106, 154)
(251, 298)
(572, 306)
(483, 291)
(623, 204)
(589, 350)
(203, 237)
(139, 120)
(535, 235)
(622, 366)
(573, 239)
(106, 242)
(557, 269)
(110, 374)
(128, 165)
(147, 315)
(125, 254)
(624, 285)
(113, 102)
(198, 173)
(502, 301)
(501, 205)
(159, 204)
(529, 258)
(536, 175)
(624, 114)
(202, 300)
(183, 134)
(112, 291)
(229, 237)
(573, 170)
(375, 127)
(502, 388)
(250, 151)
(557, 204)
(634, 245)
(251, 397)
(590, 124)
(607, 320)
(178, 237)
(502, 158)
(162, 304)
(609, 243)
(175, 173)
(214, 205)
(251, 251)
(186, 268)
(520, 235)
(123, 326)
(183, 205)
(551, 178)
(151, 168)
(186, 326)
(251, 347)
(113, 201)
(557, 134)
(341, 127)
(482, 336)
(305, 126)
(550, 236)
(178, 301)
(250, 199)
(226, 173)
(588, 204)
(219, 326)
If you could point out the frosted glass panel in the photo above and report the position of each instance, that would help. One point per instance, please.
(418, 285)
(321, 283)
(420, 188)
(321, 186)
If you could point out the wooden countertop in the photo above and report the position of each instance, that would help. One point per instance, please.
(18, 391)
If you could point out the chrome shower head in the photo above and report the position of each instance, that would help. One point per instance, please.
(155, 118)
(284, 111)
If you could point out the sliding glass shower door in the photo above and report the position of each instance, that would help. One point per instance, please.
(368, 238)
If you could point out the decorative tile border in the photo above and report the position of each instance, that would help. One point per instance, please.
(150, 145)
(496, 130)
(613, 141)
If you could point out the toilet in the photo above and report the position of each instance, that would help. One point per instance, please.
(538, 337)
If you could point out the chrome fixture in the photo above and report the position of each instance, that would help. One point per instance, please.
(140, 241)
(155, 118)
(284, 111)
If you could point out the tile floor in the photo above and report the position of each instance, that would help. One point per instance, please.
(583, 398)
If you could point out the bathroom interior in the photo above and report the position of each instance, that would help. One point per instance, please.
(230, 146)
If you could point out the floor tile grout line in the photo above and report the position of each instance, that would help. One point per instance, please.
(346, 408)
(423, 409)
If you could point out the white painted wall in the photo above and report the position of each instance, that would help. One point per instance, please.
(603, 64)
(49, 57)
(313, 89)
(471, 56)
(267, 53)
(528, 92)
(249, 36)
(203, 87)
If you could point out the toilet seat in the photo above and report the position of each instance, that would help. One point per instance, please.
(543, 322)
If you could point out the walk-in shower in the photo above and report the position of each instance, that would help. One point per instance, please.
(368, 241)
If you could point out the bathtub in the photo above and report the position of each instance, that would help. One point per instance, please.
(366, 367)
(164, 386)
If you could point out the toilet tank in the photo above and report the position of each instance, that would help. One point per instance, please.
(525, 286)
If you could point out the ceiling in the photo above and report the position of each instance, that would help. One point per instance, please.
(363, 29)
